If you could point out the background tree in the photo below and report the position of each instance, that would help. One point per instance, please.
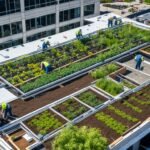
(84, 138)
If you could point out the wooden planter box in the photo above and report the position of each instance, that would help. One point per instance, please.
(145, 52)
(122, 70)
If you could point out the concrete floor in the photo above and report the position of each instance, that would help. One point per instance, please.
(136, 75)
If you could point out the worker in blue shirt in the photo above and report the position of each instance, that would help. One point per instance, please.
(138, 58)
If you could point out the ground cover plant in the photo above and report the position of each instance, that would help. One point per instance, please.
(90, 98)
(104, 71)
(71, 109)
(116, 40)
(109, 86)
(117, 118)
(112, 123)
(44, 123)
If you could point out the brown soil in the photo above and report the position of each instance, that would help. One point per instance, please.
(20, 107)
(48, 144)
(108, 132)
(21, 143)
(34, 128)
(71, 107)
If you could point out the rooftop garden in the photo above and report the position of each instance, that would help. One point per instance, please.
(25, 73)
(117, 119)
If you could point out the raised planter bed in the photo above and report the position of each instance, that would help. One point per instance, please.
(44, 123)
(118, 118)
(146, 50)
(121, 79)
(105, 70)
(109, 87)
(17, 140)
(23, 64)
(71, 109)
(91, 98)
(122, 70)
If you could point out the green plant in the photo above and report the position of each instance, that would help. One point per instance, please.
(109, 86)
(104, 71)
(71, 109)
(90, 98)
(135, 108)
(122, 114)
(44, 122)
(74, 138)
(117, 41)
(111, 123)
(142, 102)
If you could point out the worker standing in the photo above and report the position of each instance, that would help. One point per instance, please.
(138, 58)
(6, 110)
(46, 66)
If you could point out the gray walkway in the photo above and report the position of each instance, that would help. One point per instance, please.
(145, 65)
(136, 75)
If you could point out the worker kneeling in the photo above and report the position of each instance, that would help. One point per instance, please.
(46, 66)
(6, 111)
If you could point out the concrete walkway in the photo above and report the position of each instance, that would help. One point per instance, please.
(146, 66)
(6, 96)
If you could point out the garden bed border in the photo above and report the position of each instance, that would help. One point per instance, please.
(77, 74)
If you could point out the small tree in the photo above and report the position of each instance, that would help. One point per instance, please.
(84, 138)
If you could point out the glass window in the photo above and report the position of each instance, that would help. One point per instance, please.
(31, 4)
(69, 14)
(70, 26)
(89, 10)
(16, 27)
(9, 6)
(6, 29)
(0, 31)
(40, 22)
(10, 43)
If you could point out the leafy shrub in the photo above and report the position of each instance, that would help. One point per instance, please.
(104, 71)
(73, 138)
(109, 86)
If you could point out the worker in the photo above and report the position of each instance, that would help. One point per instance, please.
(46, 66)
(110, 22)
(79, 35)
(6, 110)
(138, 58)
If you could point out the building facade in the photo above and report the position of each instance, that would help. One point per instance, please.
(23, 21)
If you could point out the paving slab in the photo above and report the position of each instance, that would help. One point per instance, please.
(145, 66)
(137, 76)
